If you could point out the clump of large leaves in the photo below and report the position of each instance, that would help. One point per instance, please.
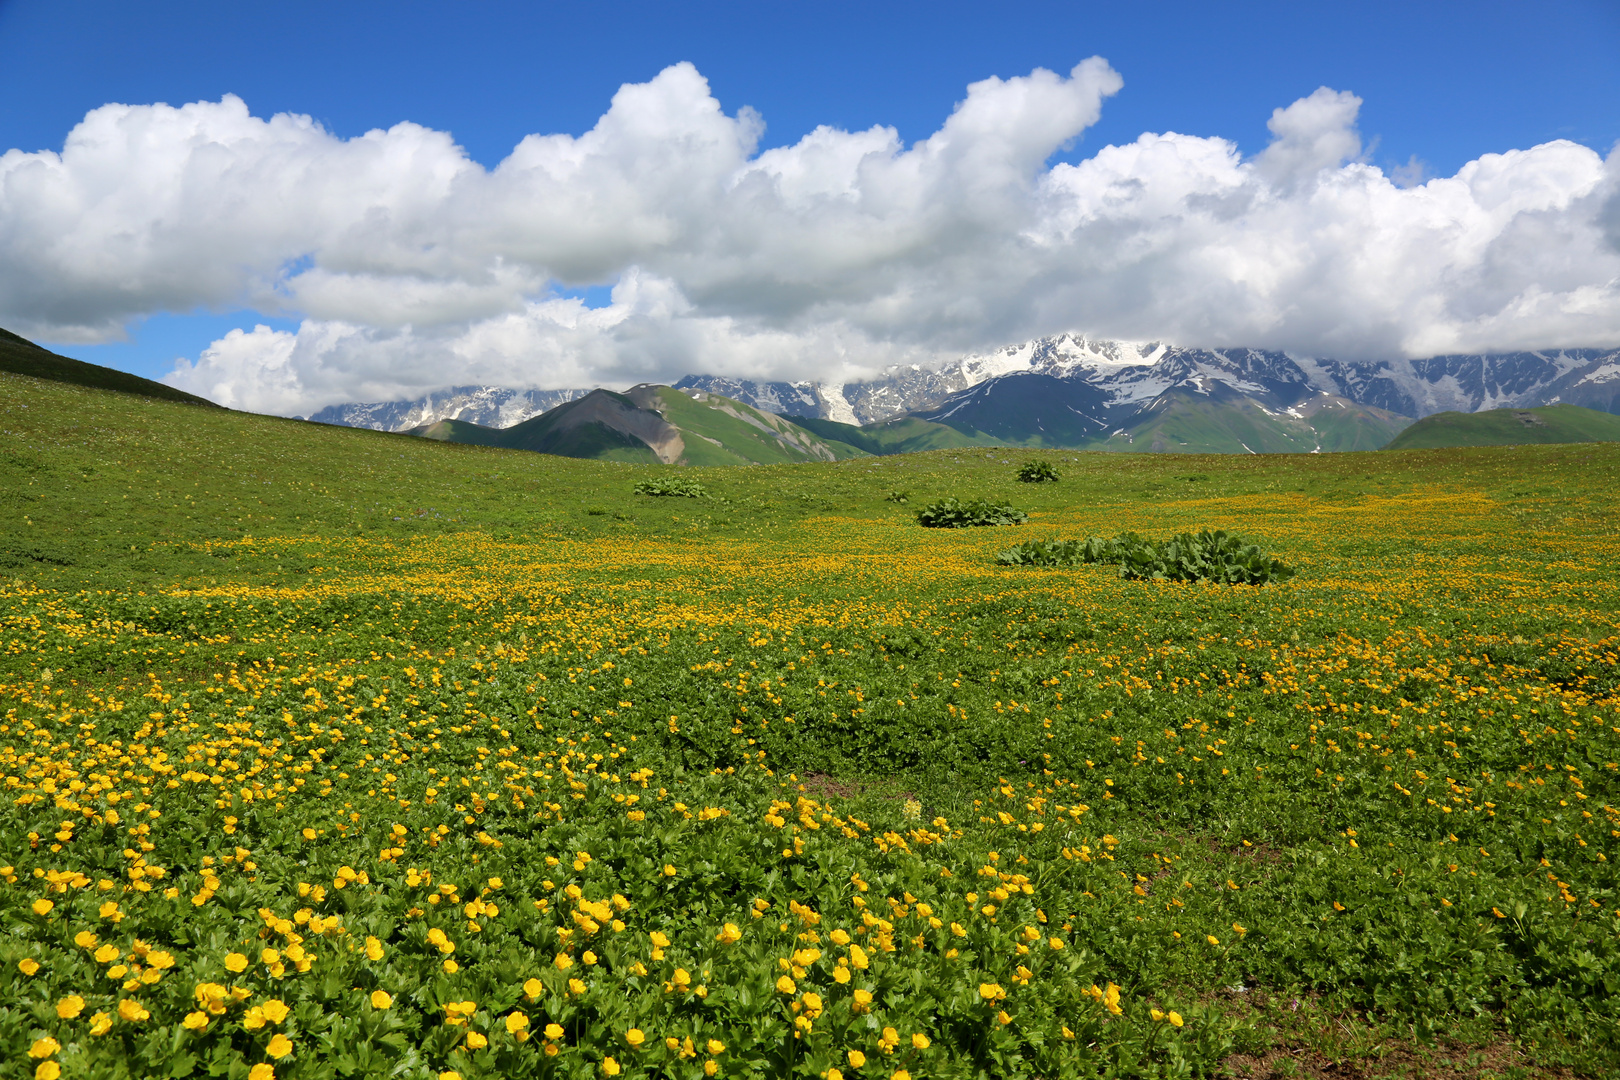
(953, 513)
(1036, 472)
(672, 486)
(1202, 556)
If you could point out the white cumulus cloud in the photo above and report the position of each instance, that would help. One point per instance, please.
(413, 267)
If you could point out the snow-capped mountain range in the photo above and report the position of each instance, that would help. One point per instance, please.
(1114, 378)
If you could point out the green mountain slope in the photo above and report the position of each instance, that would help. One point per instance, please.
(1509, 427)
(901, 435)
(654, 424)
(20, 356)
(1226, 422)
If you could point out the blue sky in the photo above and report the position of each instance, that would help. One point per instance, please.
(1440, 83)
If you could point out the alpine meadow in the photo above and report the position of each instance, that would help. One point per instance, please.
(336, 753)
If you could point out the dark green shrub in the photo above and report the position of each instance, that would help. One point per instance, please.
(901, 497)
(953, 513)
(1201, 556)
(1036, 472)
(672, 486)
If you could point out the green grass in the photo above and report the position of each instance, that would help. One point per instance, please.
(1457, 606)
(19, 356)
(1509, 427)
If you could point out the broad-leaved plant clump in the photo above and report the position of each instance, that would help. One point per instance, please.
(1037, 472)
(677, 486)
(1202, 556)
(953, 513)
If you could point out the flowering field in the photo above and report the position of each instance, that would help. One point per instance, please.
(333, 754)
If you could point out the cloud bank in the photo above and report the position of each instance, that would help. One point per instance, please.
(413, 267)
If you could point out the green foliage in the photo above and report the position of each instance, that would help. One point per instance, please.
(1036, 472)
(674, 486)
(1201, 556)
(953, 513)
(901, 497)
(1300, 761)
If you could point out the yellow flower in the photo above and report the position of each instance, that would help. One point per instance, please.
(516, 1022)
(589, 958)
(1056, 943)
(533, 988)
(47, 1070)
(991, 991)
(1174, 1018)
(449, 1074)
(610, 1067)
(279, 1046)
(856, 1059)
(84, 939)
(475, 1041)
(28, 965)
(451, 967)
(275, 1010)
(669, 870)
(729, 934)
(1155, 1015)
(44, 1048)
(101, 1023)
(564, 961)
(785, 985)
(132, 1010)
(839, 937)
(920, 1041)
(857, 958)
(863, 1001)
(833, 1074)
(711, 1067)
(900, 1074)
(70, 1006)
(1240, 929)
(195, 1021)
(381, 999)
(716, 1047)
(1212, 939)
(107, 953)
(43, 907)
(635, 1037)
(262, 1071)
(554, 1032)
(374, 949)
(235, 962)
(1004, 1018)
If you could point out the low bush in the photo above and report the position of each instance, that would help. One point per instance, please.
(1036, 472)
(1201, 556)
(672, 486)
(953, 513)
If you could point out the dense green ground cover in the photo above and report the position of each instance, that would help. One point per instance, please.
(351, 697)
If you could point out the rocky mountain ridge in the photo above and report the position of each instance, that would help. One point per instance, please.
(1107, 383)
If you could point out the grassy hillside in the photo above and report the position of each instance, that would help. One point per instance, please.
(253, 665)
(20, 356)
(650, 424)
(902, 435)
(1509, 427)
(1225, 422)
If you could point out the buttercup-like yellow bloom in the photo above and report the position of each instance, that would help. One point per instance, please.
(70, 1007)
(635, 1037)
(43, 907)
(44, 1048)
(381, 999)
(279, 1046)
